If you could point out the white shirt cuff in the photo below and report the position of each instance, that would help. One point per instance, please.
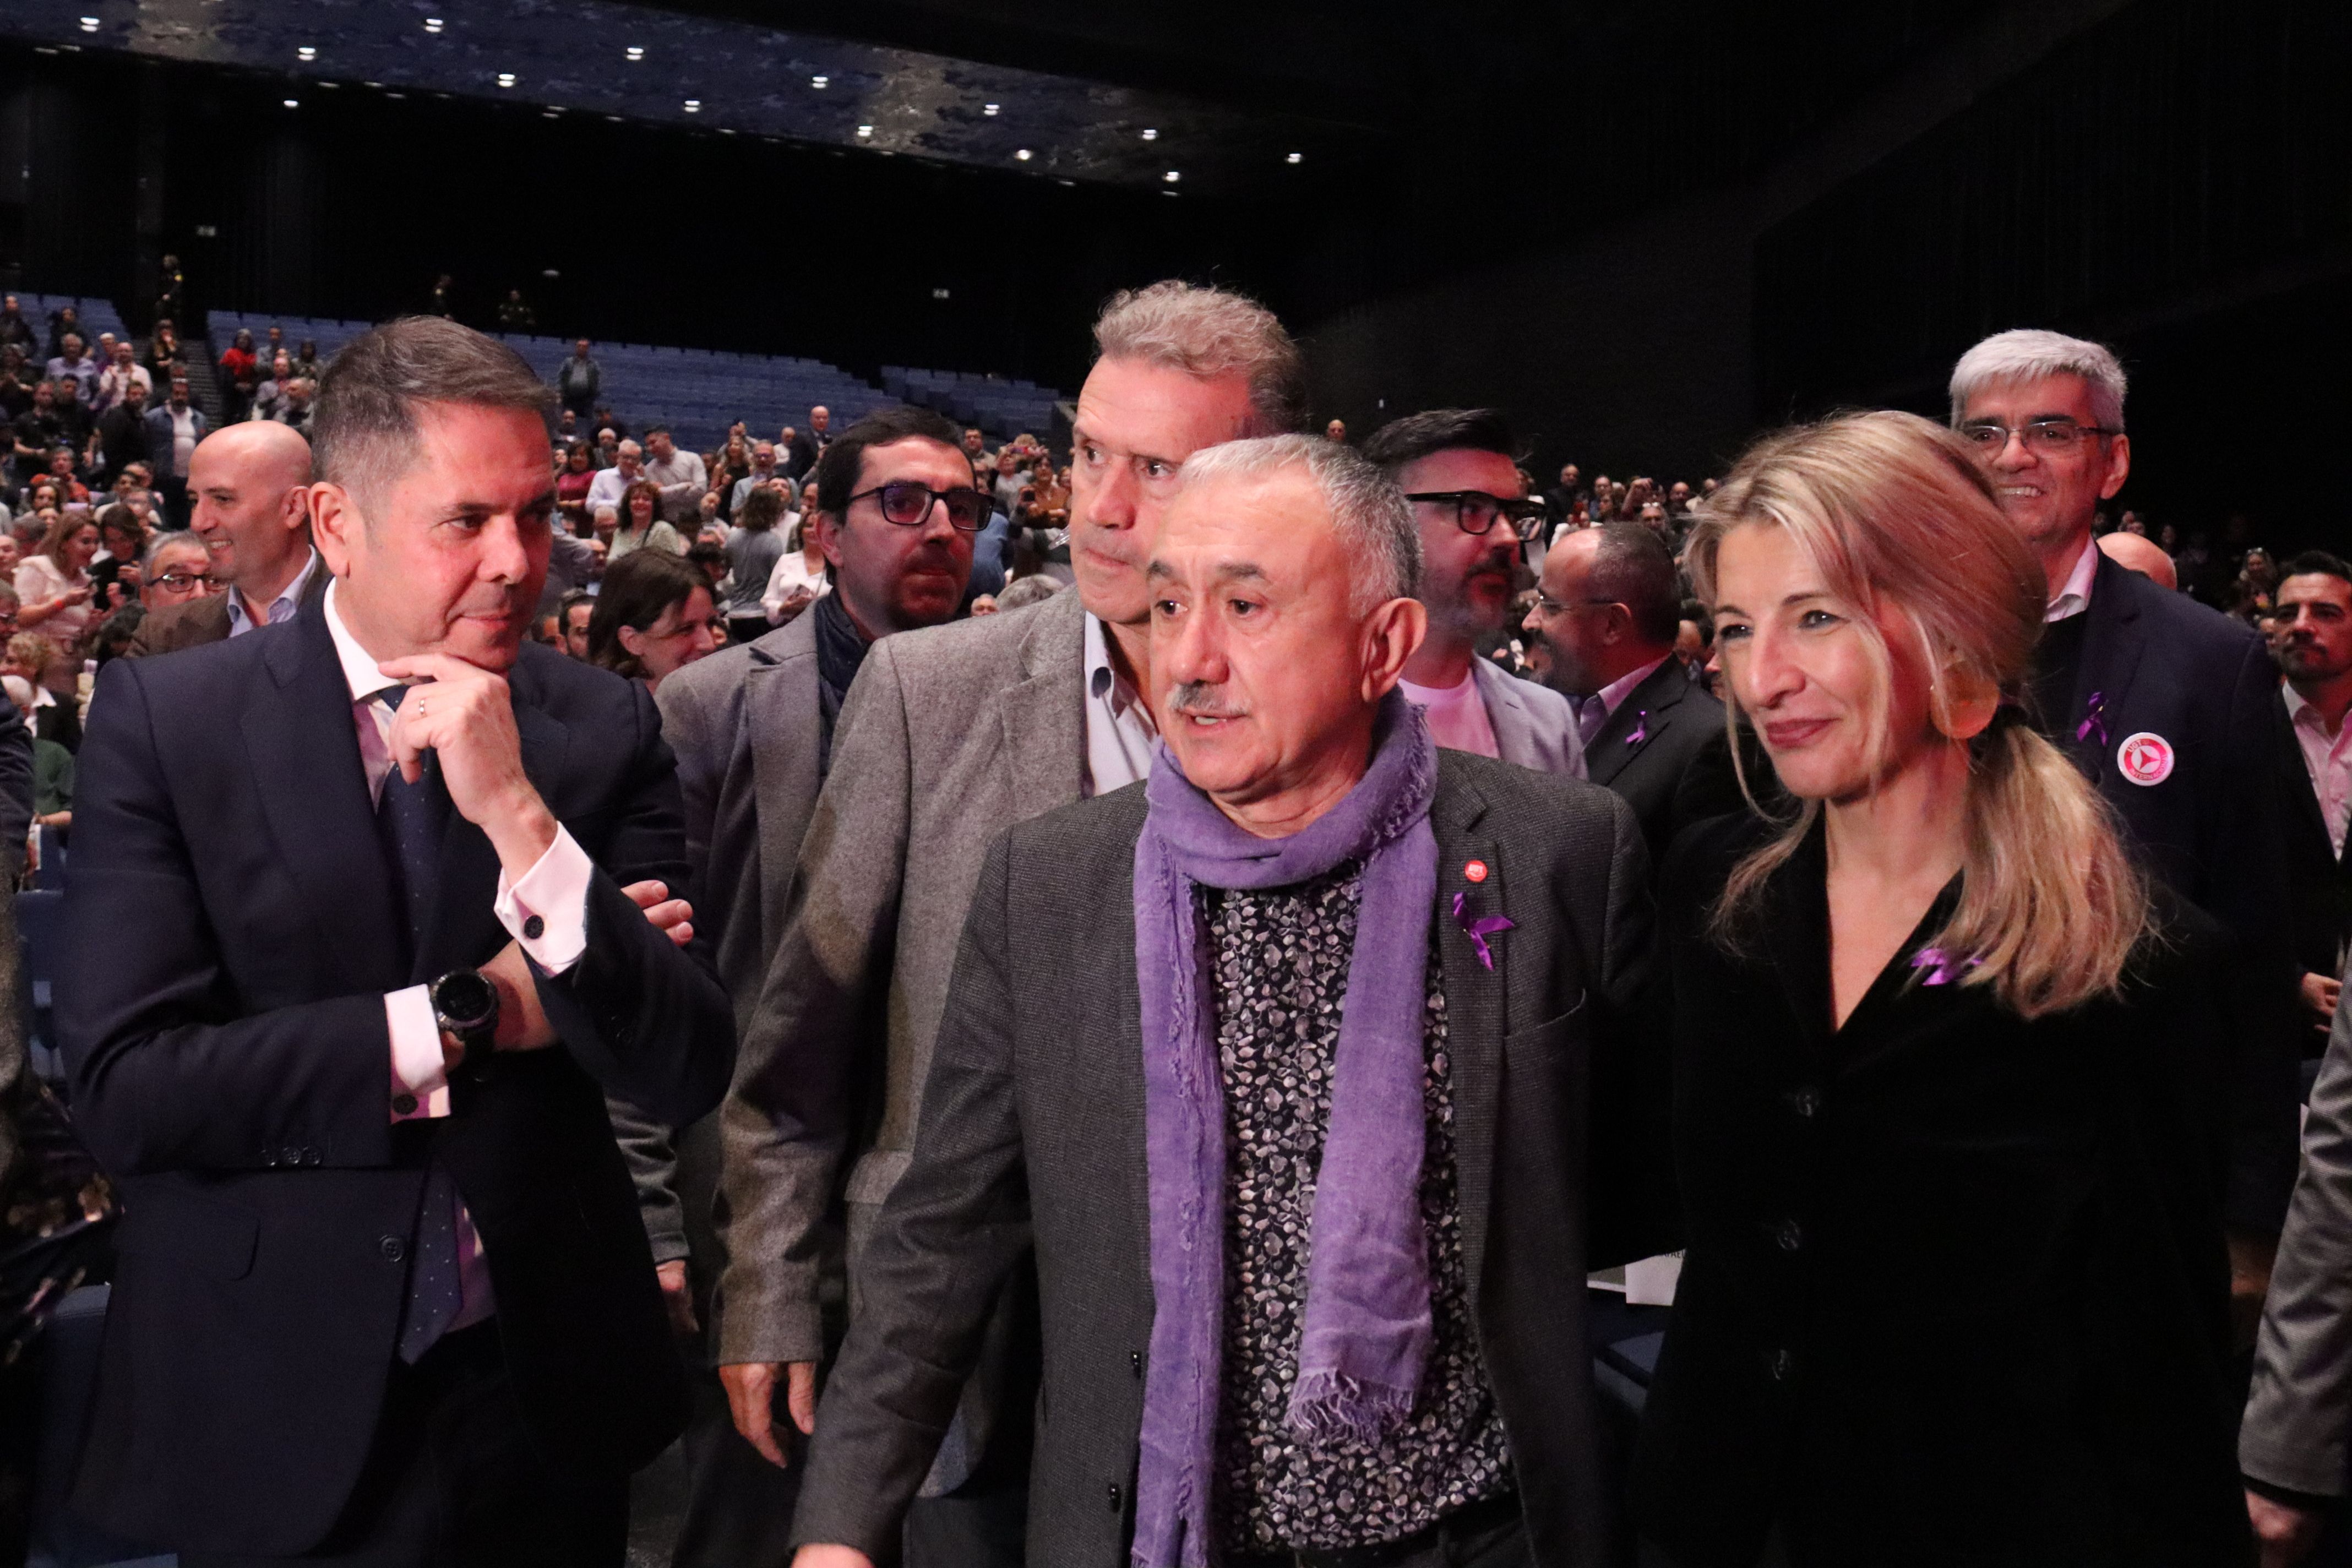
(420, 1085)
(547, 911)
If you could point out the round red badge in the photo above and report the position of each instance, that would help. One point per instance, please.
(1476, 871)
(2144, 758)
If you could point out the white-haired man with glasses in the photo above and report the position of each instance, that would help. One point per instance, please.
(2172, 710)
(1459, 468)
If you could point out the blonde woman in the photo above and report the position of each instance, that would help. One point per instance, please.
(1956, 1289)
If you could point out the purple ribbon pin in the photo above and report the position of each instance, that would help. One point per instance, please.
(1478, 931)
(2095, 717)
(1641, 728)
(1940, 966)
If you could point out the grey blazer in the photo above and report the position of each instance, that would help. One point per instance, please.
(1032, 1121)
(2297, 1432)
(1535, 727)
(948, 734)
(744, 726)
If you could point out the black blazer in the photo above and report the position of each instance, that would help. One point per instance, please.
(1032, 1121)
(2322, 878)
(1956, 1291)
(2161, 664)
(1666, 751)
(231, 937)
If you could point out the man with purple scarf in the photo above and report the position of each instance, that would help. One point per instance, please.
(1285, 1058)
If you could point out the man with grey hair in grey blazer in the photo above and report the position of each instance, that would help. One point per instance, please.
(1283, 1061)
(948, 735)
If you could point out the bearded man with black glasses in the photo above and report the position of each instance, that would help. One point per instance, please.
(752, 727)
(1459, 468)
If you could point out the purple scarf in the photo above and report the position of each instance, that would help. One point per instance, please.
(1366, 1331)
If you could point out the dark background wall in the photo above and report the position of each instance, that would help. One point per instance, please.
(1646, 229)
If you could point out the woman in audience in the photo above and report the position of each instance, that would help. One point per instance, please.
(53, 587)
(241, 373)
(571, 487)
(641, 526)
(165, 353)
(751, 557)
(1946, 1106)
(726, 467)
(799, 579)
(652, 615)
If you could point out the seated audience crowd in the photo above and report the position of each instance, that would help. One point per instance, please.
(1150, 1002)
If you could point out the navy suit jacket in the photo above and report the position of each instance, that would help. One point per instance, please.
(2160, 664)
(1665, 749)
(233, 933)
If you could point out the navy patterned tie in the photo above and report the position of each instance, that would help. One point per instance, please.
(411, 817)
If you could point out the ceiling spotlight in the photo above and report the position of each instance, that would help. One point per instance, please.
(1295, 157)
(693, 106)
(551, 115)
(613, 119)
(432, 24)
(331, 86)
(989, 110)
(506, 79)
(379, 86)
(819, 82)
(293, 103)
(89, 24)
(1150, 135)
(866, 130)
(395, 95)
(1023, 154)
(1172, 176)
(1059, 180)
(726, 131)
(306, 53)
(636, 51)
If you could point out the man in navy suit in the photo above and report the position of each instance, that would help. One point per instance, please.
(2171, 709)
(369, 911)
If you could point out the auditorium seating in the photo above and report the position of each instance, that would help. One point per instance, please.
(698, 393)
(1003, 409)
(97, 315)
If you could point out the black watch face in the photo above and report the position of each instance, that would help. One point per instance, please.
(463, 999)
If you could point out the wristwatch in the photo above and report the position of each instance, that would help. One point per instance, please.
(465, 1003)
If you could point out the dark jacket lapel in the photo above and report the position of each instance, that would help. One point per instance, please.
(1637, 723)
(2111, 650)
(1475, 1015)
(299, 736)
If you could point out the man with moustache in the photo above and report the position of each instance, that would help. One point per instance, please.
(2172, 710)
(948, 734)
(1312, 1271)
(1458, 469)
(752, 727)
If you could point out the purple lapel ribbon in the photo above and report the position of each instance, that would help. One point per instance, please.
(2095, 717)
(1478, 931)
(1942, 970)
(1640, 734)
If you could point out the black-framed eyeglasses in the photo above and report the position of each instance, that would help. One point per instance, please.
(1552, 606)
(180, 582)
(908, 502)
(1474, 511)
(2046, 436)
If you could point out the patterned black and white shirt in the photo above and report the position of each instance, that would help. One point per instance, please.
(1280, 965)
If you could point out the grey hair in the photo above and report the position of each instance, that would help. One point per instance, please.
(2028, 353)
(1209, 334)
(1370, 513)
(164, 542)
(363, 424)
